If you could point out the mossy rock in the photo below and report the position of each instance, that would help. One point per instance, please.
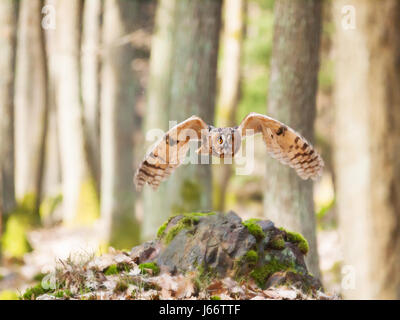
(219, 245)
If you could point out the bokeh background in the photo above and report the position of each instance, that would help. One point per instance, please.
(82, 81)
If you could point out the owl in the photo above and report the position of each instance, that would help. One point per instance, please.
(282, 143)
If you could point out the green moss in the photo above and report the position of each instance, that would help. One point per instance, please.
(191, 215)
(215, 298)
(150, 265)
(254, 228)
(251, 257)
(277, 243)
(34, 292)
(113, 269)
(298, 239)
(186, 222)
(160, 232)
(261, 274)
(8, 295)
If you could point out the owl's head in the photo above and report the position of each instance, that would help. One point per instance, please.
(225, 142)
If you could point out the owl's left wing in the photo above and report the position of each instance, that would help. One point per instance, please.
(168, 153)
(284, 144)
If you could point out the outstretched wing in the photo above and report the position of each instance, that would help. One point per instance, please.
(284, 144)
(168, 153)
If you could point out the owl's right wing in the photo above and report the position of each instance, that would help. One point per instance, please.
(168, 153)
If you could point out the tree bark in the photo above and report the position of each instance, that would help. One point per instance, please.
(52, 184)
(288, 200)
(91, 41)
(71, 138)
(229, 94)
(119, 94)
(30, 101)
(190, 39)
(193, 89)
(367, 157)
(8, 27)
(157, 115)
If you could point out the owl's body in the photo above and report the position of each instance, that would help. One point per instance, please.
(221, 142)
(282, 142)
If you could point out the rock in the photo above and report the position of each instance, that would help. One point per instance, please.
(222, 245)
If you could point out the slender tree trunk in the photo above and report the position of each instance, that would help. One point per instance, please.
(52, 184)
(288, 200)
(367, 157)
(91, 41)
(157, 115)
(229, 87)
(119, 94)
(8, 27)
(30, 101)
(188, 32)
(193, 89)
(71, 138)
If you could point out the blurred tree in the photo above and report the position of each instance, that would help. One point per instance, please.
(119, 95)
(91, 40)
(288, 200)
(76, 178)
(157, 117)
(30, 101)
(8, 27)
(52, 183)
(367, 156)
(229, 93)
(190, 84)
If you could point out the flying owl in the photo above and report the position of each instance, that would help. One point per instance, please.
(283, 144)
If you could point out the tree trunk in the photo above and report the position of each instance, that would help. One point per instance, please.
(229, 94)
(91, 41)
(75, 175)
(288, 200)
(30, 101)
(8, 27)
(367, 157)
(190, 40)
(193, 89)
(119, 94)
(52, 184)
(157, 116)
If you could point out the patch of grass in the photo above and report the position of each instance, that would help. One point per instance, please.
(150, 265)
(63, 294)
(34, 292)
(111, 270)
(254, 228)
(215, 298)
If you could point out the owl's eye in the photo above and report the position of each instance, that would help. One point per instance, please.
(220, 140)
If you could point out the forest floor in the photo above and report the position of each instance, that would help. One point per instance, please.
(72, 252)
